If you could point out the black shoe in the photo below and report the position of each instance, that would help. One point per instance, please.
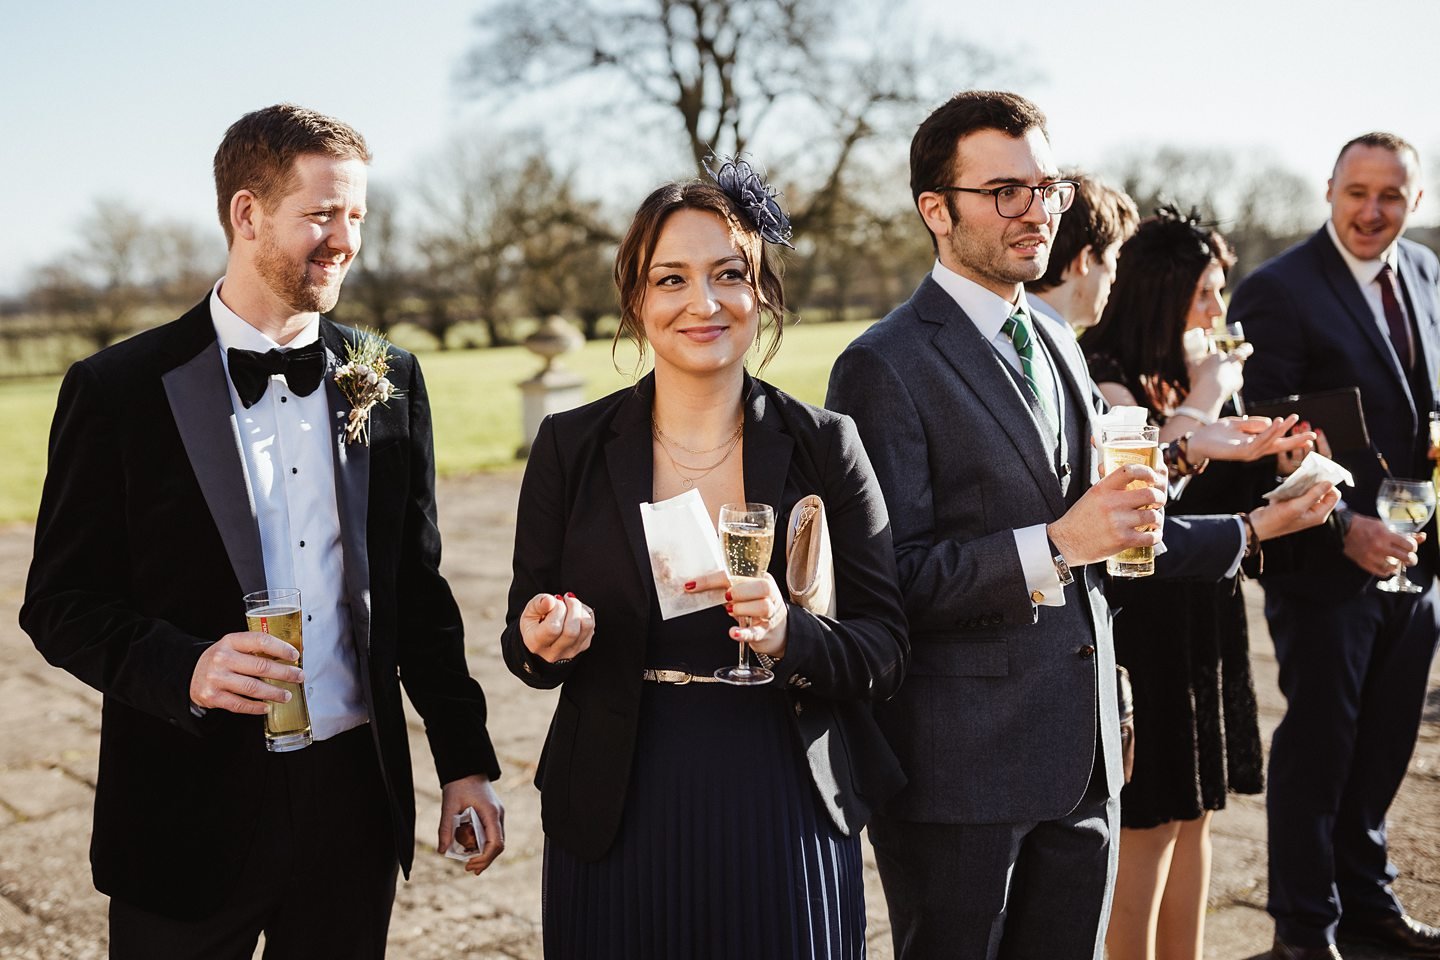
(1396, 931)
(1283, 951)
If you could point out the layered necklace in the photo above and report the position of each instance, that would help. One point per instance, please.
(696, 473)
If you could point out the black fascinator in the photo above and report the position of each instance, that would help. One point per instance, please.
(743, 184)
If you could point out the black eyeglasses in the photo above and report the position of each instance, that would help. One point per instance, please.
(1014, 199)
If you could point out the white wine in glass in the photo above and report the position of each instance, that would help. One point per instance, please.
(747, 537)
(1405, 506)
(1226, 338)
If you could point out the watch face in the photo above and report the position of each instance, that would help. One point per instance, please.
(1062, 570)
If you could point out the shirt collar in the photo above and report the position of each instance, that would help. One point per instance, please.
(1364, 271)
(987, 310)
(1040, 307)
(231, 330)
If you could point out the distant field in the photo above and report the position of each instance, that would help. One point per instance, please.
(473, 392)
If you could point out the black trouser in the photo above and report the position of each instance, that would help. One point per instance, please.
(1354, 675)
(319, 880)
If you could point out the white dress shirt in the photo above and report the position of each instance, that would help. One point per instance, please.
(1367, 277)
(286, 448)
(989, 312)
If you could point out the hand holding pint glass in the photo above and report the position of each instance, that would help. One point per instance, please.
(1120, 446)
(277, 613)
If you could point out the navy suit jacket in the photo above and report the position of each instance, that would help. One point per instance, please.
(1314, 330)
(997, 720)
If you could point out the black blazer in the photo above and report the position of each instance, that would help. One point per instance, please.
(579, 530)
(144, 545)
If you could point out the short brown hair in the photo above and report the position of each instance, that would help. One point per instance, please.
(259, 150)
(1099, 217)
(932, 149)
(1379, 138)
(632, 260)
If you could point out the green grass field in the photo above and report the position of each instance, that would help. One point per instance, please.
(474, 395)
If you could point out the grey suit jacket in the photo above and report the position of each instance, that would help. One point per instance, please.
(997, 720)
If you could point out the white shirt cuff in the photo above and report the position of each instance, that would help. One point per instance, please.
(1038, 564)
(1244, 541)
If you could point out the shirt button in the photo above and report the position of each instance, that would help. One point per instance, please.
(1086, 652)
(284, 399)
(294, 469)
(308, 618)
(1036, 596)
(302, 543)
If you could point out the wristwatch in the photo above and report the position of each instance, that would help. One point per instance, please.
(1062, 569)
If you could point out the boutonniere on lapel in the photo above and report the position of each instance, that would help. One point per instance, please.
(361, 378)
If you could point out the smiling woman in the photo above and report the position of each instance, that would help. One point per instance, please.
(746, 799)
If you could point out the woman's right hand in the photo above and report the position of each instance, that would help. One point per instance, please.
(556, 628)
(1215, 378)
(1288, 461)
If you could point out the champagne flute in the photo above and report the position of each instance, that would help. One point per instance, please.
(1405, 506)
(1225, 339)
(747, 535)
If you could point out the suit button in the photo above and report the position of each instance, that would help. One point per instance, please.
(527, 668)
(799, 709)
(1086, 652)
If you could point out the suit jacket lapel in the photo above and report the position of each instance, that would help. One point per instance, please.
(352, 493)
(1347, 291)
(199, 396)
(629, 458)
(767, 449)
(1076, 385)
(983, 370)
(1421, 299)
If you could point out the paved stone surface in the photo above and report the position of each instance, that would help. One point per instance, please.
(49, 733)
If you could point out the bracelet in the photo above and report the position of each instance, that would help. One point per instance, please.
(1177, 460)
(1194, 413)
(1252, 539)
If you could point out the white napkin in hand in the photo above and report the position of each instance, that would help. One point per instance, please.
(683, 546)
(1315, 468)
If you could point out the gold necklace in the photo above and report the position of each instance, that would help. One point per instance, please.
(675, 465)
(666, 438)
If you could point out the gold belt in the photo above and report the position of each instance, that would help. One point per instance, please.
(677, 677)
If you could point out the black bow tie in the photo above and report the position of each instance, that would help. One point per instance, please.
(251, 370)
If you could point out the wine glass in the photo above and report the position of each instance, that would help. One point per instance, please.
(1405, 506)
(1225, 339)
(747, 535)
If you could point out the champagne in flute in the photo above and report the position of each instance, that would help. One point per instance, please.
(747, 536)
(1226, 338)
(1405, 506)
(1119, 447)
(277, 612)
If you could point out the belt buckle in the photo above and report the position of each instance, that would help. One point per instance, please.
(677, 677)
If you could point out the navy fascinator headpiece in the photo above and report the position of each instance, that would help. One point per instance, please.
(743, 184)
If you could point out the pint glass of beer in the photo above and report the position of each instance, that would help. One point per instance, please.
(1119, 447)
(277, 612)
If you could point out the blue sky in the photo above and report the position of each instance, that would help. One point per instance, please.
(128, 100)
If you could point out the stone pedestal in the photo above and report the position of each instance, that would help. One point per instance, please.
(550, 391)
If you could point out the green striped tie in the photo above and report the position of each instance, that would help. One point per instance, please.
(1016, 328)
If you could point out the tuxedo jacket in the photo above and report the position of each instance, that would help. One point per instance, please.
(1314, 330)
(145, 543)
(579, 530)
(997, 720)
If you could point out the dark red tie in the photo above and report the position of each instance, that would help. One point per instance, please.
(1395, 317)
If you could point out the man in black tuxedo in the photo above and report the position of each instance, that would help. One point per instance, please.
(207, 459)
(1353, 306)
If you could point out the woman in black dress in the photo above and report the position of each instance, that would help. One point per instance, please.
(1184, 643)
(686, 817)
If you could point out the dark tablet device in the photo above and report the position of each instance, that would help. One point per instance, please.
(1337, 412)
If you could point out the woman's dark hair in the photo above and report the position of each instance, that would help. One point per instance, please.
(1143, 324)
(632, 261)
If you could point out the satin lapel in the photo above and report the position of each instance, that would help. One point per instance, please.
(630, 460)
(199, 396)
(1347, 291)
(767, 449)
(352, 493)
(981, 368)
(1421, 297)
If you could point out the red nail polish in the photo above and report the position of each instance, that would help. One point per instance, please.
(727, 595)
(558, 597)
(729, 608)
(570, 595)
(690, 585)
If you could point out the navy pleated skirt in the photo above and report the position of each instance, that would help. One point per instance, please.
(724, 849)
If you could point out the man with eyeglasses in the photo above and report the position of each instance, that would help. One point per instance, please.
(976, 411)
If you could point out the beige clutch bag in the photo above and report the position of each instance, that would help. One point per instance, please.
(809, 564)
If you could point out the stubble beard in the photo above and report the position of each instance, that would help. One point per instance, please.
(986, 259)
(290, 281)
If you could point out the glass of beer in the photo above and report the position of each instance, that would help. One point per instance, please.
(1119, 447)
(277, 612)
(747, 535)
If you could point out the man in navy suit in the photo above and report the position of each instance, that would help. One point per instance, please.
(1354, 305)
